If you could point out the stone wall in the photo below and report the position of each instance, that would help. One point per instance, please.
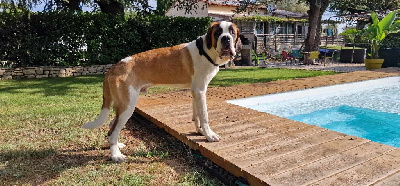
(44, 72)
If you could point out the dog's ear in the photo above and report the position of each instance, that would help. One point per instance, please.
(210, 33)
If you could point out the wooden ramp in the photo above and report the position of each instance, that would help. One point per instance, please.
(270, 150)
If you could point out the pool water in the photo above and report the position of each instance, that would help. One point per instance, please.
(368, 109)
(381, 127)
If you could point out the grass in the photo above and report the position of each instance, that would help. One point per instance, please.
(231, 77)
(42, 142)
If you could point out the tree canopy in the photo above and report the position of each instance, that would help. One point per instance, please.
(346, 7)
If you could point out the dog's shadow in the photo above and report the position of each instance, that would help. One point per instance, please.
(195, 137)
(35, 167)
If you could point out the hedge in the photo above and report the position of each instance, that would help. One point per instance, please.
(69, 39)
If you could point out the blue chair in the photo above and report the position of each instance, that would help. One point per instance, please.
(296, 54)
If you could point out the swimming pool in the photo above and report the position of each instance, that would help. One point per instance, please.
(368, 109)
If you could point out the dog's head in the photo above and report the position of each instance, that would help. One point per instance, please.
(224, 38)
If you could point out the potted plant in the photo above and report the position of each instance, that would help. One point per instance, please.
(375, 33)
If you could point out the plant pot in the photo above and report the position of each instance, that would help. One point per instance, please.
(373, 63)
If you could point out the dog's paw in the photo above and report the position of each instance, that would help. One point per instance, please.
(212, 137)
(121, 145)
(118, 158)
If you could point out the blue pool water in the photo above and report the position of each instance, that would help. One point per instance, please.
(368, 109)
(381, 127)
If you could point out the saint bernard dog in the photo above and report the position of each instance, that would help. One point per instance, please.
(190, 65)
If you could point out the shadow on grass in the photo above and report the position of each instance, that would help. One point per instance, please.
(51, 86)
(35, 167)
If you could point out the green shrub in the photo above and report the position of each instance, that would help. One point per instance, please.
(67, 39)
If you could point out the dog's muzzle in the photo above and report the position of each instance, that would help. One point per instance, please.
(226, 49)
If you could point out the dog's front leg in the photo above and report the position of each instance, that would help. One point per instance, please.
(196, 118)
(200, 113)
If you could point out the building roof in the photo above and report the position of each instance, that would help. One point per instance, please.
(284, 13)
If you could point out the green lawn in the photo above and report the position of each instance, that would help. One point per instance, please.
(42, 142)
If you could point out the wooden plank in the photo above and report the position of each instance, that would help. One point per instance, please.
(282, 162)
(329, 166)
(239, 137)
(264, 141)
(392, 180)
(255, 160)
(369, 172)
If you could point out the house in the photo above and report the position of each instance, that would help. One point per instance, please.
(266, 28)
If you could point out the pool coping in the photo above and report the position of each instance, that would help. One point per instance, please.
(255, 145)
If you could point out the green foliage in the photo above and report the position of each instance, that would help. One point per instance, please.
(292, 6)
(378, 30)
(350, 35)
(345, 7)
(66, 39)
(269, 19)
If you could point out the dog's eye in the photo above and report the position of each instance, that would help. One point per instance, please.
(218, 32)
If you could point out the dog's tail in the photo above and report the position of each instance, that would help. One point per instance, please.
(105, 109)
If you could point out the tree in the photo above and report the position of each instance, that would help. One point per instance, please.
(354, 8)
(317, 9)
(346, 7)
(292, 6)
(111, 6)
(164, 5)
(105, 6)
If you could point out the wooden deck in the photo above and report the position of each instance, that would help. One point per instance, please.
(270, 150)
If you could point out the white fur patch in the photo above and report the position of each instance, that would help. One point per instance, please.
(116, 154)
(225, 26)
(127, 59)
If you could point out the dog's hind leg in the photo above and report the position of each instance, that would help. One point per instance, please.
(123, 113)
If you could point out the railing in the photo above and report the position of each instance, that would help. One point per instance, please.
(273, 41)
(336, 40)
(282, 38)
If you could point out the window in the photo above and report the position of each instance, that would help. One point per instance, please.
(260, 27)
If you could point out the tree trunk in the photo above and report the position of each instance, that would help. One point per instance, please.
(313, 15)
(110, 6)
(317, 8)
(317, 41)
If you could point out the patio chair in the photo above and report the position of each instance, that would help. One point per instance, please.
(286, 57)
(314, 55)
(296, 54)
(254, 58)
(330, 56)
(258, 57)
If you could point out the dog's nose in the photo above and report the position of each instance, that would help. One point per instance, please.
(225, 39)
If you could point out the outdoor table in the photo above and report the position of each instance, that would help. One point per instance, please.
(306, 56)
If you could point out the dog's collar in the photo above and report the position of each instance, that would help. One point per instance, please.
(199, 44)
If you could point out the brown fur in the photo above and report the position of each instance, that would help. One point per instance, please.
(171, 65)
(212, 42)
